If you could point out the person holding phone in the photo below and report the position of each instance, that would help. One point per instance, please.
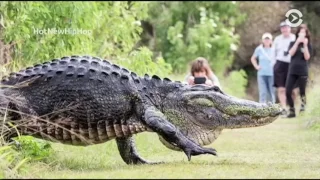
(201, 73)
(265, 54)
(300, 51)
(281, 44)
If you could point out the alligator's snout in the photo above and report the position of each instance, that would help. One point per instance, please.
(270, 109)
(242, 113)
(277, 113)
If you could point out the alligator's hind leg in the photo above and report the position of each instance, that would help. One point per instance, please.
(128, 151)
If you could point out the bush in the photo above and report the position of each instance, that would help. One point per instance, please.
(312, 114)
(109, 30)
(313, 106)
(34, 149)
(14, 156)
(235, 83)
(196, 29)
(11, 161)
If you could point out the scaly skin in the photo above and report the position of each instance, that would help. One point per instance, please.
(83, 100)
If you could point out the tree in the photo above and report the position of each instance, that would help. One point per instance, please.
(186, 30)
(47, 30)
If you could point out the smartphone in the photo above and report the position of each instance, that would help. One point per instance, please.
(200, 80)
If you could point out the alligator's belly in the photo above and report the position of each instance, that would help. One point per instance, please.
(71, 132)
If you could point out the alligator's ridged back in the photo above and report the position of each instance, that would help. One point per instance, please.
(73, 66)
(77, 66)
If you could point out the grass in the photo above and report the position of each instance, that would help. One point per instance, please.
(283, 149)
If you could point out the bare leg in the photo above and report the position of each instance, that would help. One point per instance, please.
(282, 97)
(295, 93)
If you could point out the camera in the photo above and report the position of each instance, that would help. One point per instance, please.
(200, 80)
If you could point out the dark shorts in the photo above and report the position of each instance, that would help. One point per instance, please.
(280, 71)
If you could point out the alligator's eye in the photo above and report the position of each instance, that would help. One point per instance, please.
(216, 88)
(201, 102)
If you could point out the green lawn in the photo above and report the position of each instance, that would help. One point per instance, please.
(283, 149)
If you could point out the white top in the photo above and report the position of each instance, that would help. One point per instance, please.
(281, 45)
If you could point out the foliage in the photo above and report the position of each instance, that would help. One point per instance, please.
(142, 62)
(11, 162)
(34, 149)
(235, 84)
(47, 30)
(186, 30)
(312, 109)
(16, 155)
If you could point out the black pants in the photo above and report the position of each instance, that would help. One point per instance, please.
(301, 82)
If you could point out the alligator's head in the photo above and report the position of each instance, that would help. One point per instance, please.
(204, 111)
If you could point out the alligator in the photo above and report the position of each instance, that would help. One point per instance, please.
(87, 100)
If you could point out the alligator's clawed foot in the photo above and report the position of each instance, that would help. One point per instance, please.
(153, 163)
(198, 151)
(141, 161)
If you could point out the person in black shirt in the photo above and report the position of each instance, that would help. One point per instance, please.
(300, 51)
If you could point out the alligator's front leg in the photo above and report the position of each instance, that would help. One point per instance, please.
(157, 121)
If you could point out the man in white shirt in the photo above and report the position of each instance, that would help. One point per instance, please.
(281, 45)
